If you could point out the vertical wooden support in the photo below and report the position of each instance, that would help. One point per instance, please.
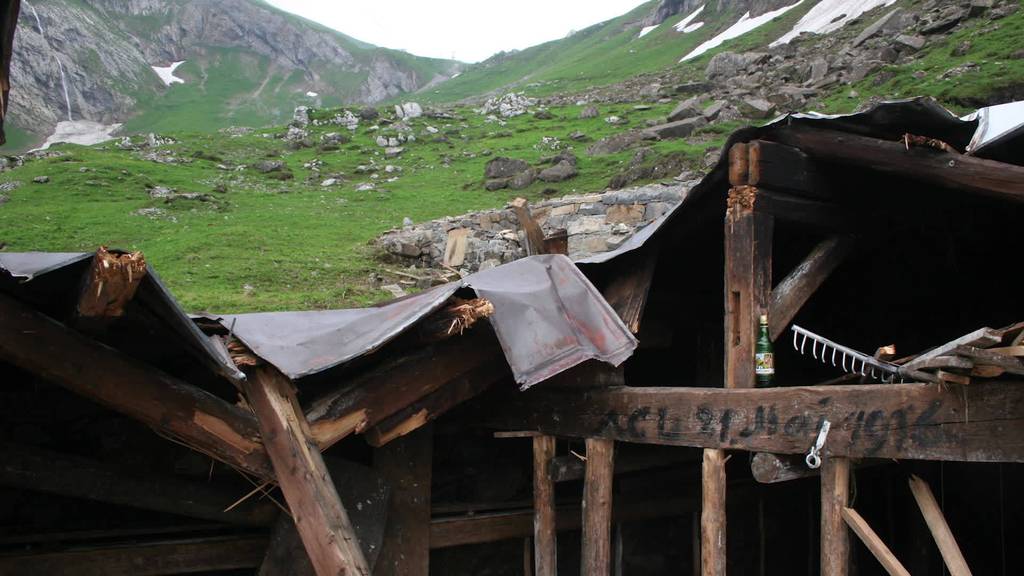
(597, 507)
(748, 282)
(936, 521)
(406, 465)
(835, 495)
(712, 515)
(545, 554)
(319, 516)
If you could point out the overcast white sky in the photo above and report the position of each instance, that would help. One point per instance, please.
(467, 30)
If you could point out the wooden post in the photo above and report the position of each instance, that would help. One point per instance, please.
(870, 539)
(597, 508)
(109, 286)
(748, 282)
(545, 543)
(932, 513)
(835, 495)
(406, 464)
(712, 516)
(307, 486)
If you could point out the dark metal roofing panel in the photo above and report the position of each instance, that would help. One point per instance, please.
(25, 266)
(549, 318)
(304, 343)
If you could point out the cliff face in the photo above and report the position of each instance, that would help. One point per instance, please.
(95, 59)
(668, 8)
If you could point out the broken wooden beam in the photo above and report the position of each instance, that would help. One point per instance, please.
(778, 167)
(835, 496)
(108, 286)
(201, 420)
(41, 470)
(748, 283)
(319, 516)
(155, 558)
(406, 464)
(534, 235)
(939, 528)
(873, 543)
(980, 356)
(980, 338)
(597, 507)
(544, 531)
(628, 291)
(997, 180)
(369, 398)
(433, 405)
(903, 421)
(790, 295)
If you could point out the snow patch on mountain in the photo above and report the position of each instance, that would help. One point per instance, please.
(685, 22)
(692, 27)
(166, 73)
(646, 30)
(744, 25)
(830, 15)
(82, 132)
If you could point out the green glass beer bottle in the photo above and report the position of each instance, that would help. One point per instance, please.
(764, 359)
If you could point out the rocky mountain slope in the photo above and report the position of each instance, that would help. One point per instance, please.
(243, 62)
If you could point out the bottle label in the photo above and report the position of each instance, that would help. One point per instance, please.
(764, 363)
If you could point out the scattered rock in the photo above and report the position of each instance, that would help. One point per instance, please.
(914, 42)
(964, 48)
(393, 151)
(578, 136)
(543, 115)
(756, 108)
(523, 179)
(496, 184)
(41, 179)
(329, 182)
(365, 187)
(680, 129)
(564, 170)
(369, 113)
(395, 290)
(10, 186)
(725, 64)
(693, 88)
(615, 120)
(947, 21)
(408, 110)
(267, 166)
(407, 221)
(502, 167)
(507, 106)
(876, 27)
(589, 112)
(686, 109)
(979, 7)
(614, 144)
(160, 192)
(714, 109)
(300, 118)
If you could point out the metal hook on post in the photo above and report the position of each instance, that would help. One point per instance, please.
(813, 458)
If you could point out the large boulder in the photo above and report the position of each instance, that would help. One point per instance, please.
(300, 117)
(680, 129)
(726, 65)
(589, 112)
(502, 167)
(408, 110)
(564, 170)
(686, 109)
(615, 143)
(756, 107)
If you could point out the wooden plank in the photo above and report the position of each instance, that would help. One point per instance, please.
(835, 496)
(713, 516)
(33, 342)
(799, 285)
(41, 470)
(433, 405)
(631, 458)
(774, 468)
(738, 164)
(627, 291)
(597, 507)
(147, 559)
(545, 545)
(320, 518)
(748, 283)
(979, 356)
(510, 525)
(110, 283)
(903, 421)
(870, 539)
(534, 235)
(980, 338)
(366, 400)
(772, 165)
(939, 528)
(406, 464)
(930, 166)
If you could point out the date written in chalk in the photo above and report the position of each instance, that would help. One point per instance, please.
(871, 428)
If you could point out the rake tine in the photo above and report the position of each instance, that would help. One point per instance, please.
(795, 347)
(814, 349)
(802, 344)
(834, 350)
(824, 349)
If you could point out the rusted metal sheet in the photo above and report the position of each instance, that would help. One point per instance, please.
(547, 316)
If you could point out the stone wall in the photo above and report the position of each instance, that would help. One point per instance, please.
(480, 240)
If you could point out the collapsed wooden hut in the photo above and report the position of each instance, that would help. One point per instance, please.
(545, 416)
